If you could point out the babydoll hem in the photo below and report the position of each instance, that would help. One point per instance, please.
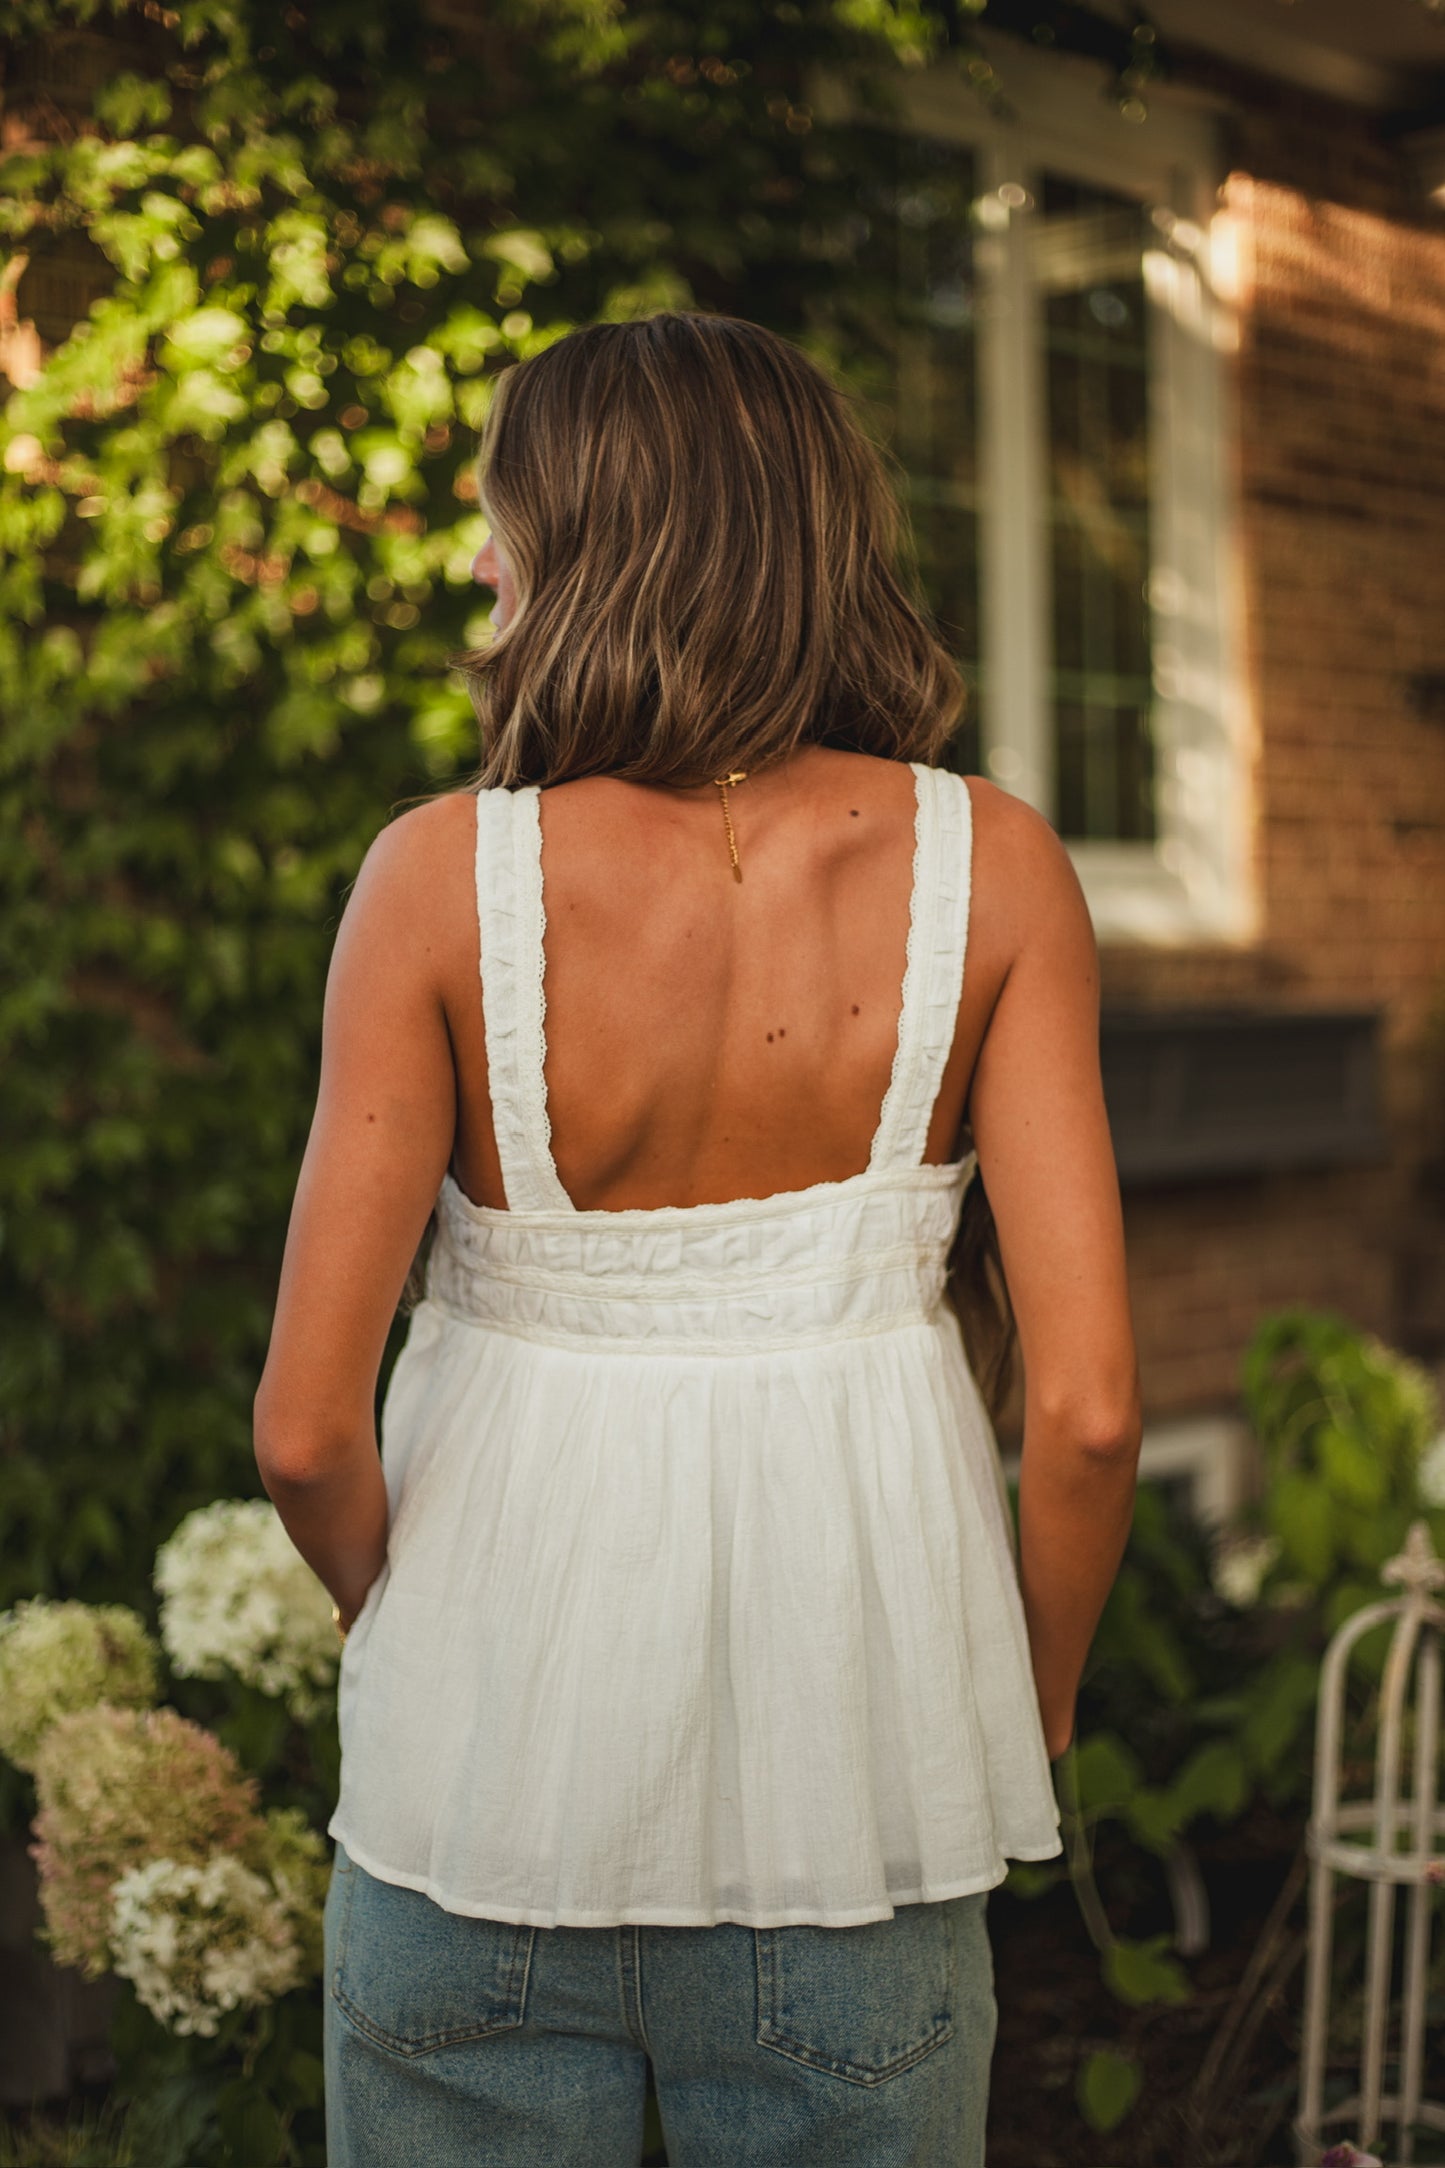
(676, 1916)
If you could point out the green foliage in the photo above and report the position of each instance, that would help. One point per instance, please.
(95, 2138)
(251, 2094)
(1343, 1423)
(237, 516)
(1142, 1972)
(1108, 2086)
(1196, 1705)
(236, 523)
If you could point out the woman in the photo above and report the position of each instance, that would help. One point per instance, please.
(693, 1700)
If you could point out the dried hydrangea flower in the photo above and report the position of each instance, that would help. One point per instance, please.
(118, 1788)
(56, 1658)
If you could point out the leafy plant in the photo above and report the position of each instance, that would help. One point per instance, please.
(1196, 1706)
(237, 515)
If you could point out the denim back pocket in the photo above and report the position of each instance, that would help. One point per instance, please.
(414, 1977)
(862, 2003)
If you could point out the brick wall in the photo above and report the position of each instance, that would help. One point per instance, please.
(1340, 472)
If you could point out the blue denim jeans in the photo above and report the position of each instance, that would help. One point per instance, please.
(463, 2043)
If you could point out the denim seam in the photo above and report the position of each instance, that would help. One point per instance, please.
(629, 1971)
(770, 2034)
(451, 2036)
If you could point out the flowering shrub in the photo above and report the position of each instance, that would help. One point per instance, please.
(56, 1658)
(158, 1860)
(149, 1833)
(198, 1941)
(118, 1788)
(236, 1595)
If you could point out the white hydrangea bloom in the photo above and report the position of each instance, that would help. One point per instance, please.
(1432, 1473)
(1240, 1567)
(236, 1595)
(196, 1942)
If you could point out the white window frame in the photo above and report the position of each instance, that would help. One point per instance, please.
(1194, 883)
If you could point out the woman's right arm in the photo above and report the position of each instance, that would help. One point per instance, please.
(1036, 1108)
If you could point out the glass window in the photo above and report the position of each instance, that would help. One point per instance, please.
(1087, 248)
(915, 311)
(1043, 299)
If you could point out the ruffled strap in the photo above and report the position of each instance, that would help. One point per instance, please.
(512, 921)
(933, 975)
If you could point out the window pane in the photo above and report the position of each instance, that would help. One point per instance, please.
(914, 316)
(1088, 249)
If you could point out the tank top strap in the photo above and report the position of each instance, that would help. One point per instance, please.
(512, 921)
(933, 975)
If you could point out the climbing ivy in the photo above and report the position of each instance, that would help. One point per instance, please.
(237, 513)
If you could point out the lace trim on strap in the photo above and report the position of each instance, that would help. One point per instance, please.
(933, 978)
(512, 923)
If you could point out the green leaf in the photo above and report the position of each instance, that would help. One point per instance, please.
(1106, 1773)
(306, 2074)
(206, 335)
(1214, 1780)
(1108, 2086)
(133, 102)
(1154, 1815)
(251, 2130)
(1141, 1972)
(1280, 1698)
(1352, 1472)
(521, 251)
(1026, 1878)
(1301, 1514)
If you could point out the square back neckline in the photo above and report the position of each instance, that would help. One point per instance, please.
(522, 991)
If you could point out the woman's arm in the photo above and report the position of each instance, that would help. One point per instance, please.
(1036, 1108)
(380, 1142)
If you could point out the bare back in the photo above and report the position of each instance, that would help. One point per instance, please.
(663, 980)
(709, 1039)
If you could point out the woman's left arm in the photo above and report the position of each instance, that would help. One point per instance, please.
(380, 1142)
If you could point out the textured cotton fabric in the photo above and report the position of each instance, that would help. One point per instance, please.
(700, 1600)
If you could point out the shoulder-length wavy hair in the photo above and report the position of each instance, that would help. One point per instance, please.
(709, 565)
(706, 552)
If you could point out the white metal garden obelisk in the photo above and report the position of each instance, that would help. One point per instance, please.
(1389, 1841)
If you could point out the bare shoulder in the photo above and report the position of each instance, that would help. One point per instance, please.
(424, 839)
(1025, 889)
(415, 885)
(427, 844)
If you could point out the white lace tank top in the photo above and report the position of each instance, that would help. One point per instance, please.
(700, 1600)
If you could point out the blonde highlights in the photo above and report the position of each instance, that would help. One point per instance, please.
(705, 551)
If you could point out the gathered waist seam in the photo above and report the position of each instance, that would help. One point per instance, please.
(604, 1343)
(643, 1287)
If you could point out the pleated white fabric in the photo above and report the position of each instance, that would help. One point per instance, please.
(700, 1600)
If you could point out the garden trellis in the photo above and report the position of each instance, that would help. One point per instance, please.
(1361, 1839)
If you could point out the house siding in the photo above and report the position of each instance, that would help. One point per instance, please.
(1340, 484)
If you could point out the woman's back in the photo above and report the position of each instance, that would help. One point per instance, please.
(697, 1525)
(690, 1017)
(684, 1592)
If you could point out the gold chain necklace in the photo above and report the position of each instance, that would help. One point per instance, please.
(721, 784)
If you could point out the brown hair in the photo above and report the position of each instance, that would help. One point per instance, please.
(705, 550)
(707, 556)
